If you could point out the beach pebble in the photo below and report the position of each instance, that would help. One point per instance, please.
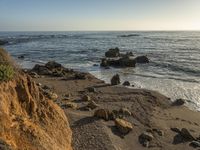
(123, 126)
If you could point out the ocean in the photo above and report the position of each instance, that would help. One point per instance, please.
(174, 68)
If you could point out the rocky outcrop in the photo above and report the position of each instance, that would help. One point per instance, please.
(116, 59)
(113, 52)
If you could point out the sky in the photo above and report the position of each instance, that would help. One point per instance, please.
(97, 15)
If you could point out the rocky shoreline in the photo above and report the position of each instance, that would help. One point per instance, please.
(110, 116)
(101, 116)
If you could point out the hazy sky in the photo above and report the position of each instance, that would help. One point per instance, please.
(67, 15)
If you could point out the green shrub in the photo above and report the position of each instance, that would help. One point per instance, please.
(6, 72)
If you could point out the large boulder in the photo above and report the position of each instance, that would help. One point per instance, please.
(41, 70)
(142, 59)
(127, 62)
(53, 65)
(115, 80)
(113, 52)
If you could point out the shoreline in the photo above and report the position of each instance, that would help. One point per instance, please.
(150, 110)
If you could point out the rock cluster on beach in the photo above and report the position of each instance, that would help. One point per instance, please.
(114, 58)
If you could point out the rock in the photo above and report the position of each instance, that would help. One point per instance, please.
(95, 65)
(145, 138)
(51, 95)
(159, 132)
(104, 63)
(186, 135)
(3, 42)
(45, 87)
(125, 112)
(70, 105)
(123, 126)
(53, 65)
(195, 144)
(175, 130)
(142, 59)
(91, 89)
(92, 105)
(80, 76)
(113, 52)
(34, 75)
(103, 114)
(115, 80)
(126, 62)
(41, 70)
(39, 84)
(86, 98)
(178, 102)
(21, 57)
(126, 83)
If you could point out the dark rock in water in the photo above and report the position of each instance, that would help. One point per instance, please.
(120, 62)
(178, 102)
(195, 144)
(21, 57)
(113, 52)
(126, 83)
(53, 65)
(115, 80)
(3, 42)
(142, 59)
(126, 62)
(95, 65)
(129, 35)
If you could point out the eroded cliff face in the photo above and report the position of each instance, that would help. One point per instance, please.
(30, 121)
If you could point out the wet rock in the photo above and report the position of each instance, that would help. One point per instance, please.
(103, 114)
(91, 89)
(92, 105)
(142, 59)
(126, 83)
(70, 105)
(126, 62)
(178, 102)
(3, 42)
(113, 52)
(195, 144)
(21, 57)
(95, 65)
(115, 80)
(123, 126)
(145, 138)
(86, 98)
(53, 65)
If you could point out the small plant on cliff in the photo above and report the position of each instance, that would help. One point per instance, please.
(6, 72)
